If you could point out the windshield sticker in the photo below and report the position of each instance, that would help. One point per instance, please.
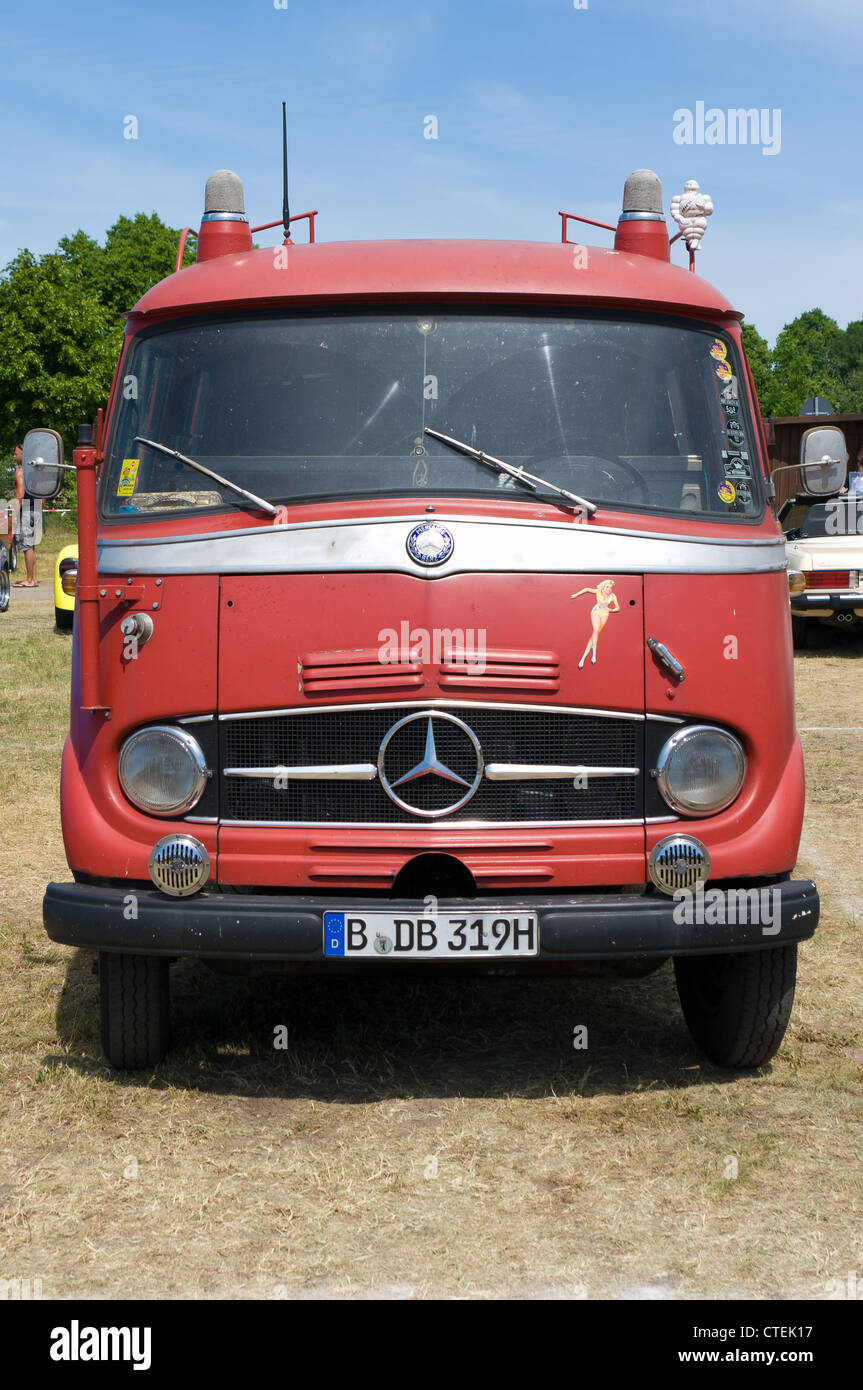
(729, 395)
(734, 430)
(724, 372)
(128, 477)
(744, 493)
(736, 465)
(727, 492)
(718, 350)
(606, 604)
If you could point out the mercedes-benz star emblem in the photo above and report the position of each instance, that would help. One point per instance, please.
(434, 759)
(430, 543)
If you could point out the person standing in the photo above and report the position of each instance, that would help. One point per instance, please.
(855, 479)
(25, 525)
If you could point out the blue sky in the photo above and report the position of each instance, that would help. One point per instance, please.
(539, 105)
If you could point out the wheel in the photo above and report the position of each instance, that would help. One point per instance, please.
(5, 589)
(13, 555)
(63, 618)
(738, 1005)
(136, 1010)
(799, 632)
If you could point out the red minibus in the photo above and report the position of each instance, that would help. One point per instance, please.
(432, 614)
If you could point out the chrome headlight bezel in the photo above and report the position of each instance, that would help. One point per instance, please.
(197, 762)
(671, 750)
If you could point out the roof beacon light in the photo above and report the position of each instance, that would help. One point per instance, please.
(641, 227)
(224, 226)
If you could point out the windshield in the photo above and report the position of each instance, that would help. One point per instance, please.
(838, 517)
(637, 413)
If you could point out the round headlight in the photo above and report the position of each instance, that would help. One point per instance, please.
(162, 770)
(700, 770)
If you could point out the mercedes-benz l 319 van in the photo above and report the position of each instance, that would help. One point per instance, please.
(432, 613)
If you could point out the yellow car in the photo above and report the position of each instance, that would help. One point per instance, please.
(65, 583)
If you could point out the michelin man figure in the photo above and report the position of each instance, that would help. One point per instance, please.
(690, 210)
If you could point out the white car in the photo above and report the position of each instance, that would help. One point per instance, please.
(825, 562)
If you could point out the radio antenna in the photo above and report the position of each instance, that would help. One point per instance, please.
(286, 216)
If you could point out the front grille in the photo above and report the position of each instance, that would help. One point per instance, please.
(506, 735)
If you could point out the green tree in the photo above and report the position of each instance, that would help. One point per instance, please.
(760, 360)
(57, 349)
(850, 362)
(138, 252)
(63, 326)
(807, 362)
(849, 354)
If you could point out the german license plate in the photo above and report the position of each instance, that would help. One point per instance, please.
(462, 936)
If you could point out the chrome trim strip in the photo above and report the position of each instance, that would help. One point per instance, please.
(202, 820)
(660, 820)
(105, 542)
(196, 719)
(446, 827)
(439, 704)
(333, 772)
(539, 772)
(377, 544)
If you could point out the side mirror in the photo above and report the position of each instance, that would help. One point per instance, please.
(823, 460)
(42, 463)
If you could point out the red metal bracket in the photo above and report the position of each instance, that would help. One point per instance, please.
(574, 217)
(144, 595)
(186, 232)
(297, 217)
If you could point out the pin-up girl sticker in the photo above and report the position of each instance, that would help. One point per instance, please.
(606, 603)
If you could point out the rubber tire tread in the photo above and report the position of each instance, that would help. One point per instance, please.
(757, 995)
(135, 1008)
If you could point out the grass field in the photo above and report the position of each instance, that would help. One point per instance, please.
(422, 1139)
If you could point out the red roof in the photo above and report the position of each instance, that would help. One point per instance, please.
(506, 271)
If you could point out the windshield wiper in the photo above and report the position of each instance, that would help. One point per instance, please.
(518, 475)
(208, 473)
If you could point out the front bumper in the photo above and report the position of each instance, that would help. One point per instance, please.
(816, 604)
(256, 927)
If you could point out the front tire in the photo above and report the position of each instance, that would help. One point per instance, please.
(738, 1005)
(799, 632)
(13, 555)
(5, 590)
(63, 618)
(136, 1010)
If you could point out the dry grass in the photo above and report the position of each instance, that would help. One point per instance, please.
(421, 1139)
